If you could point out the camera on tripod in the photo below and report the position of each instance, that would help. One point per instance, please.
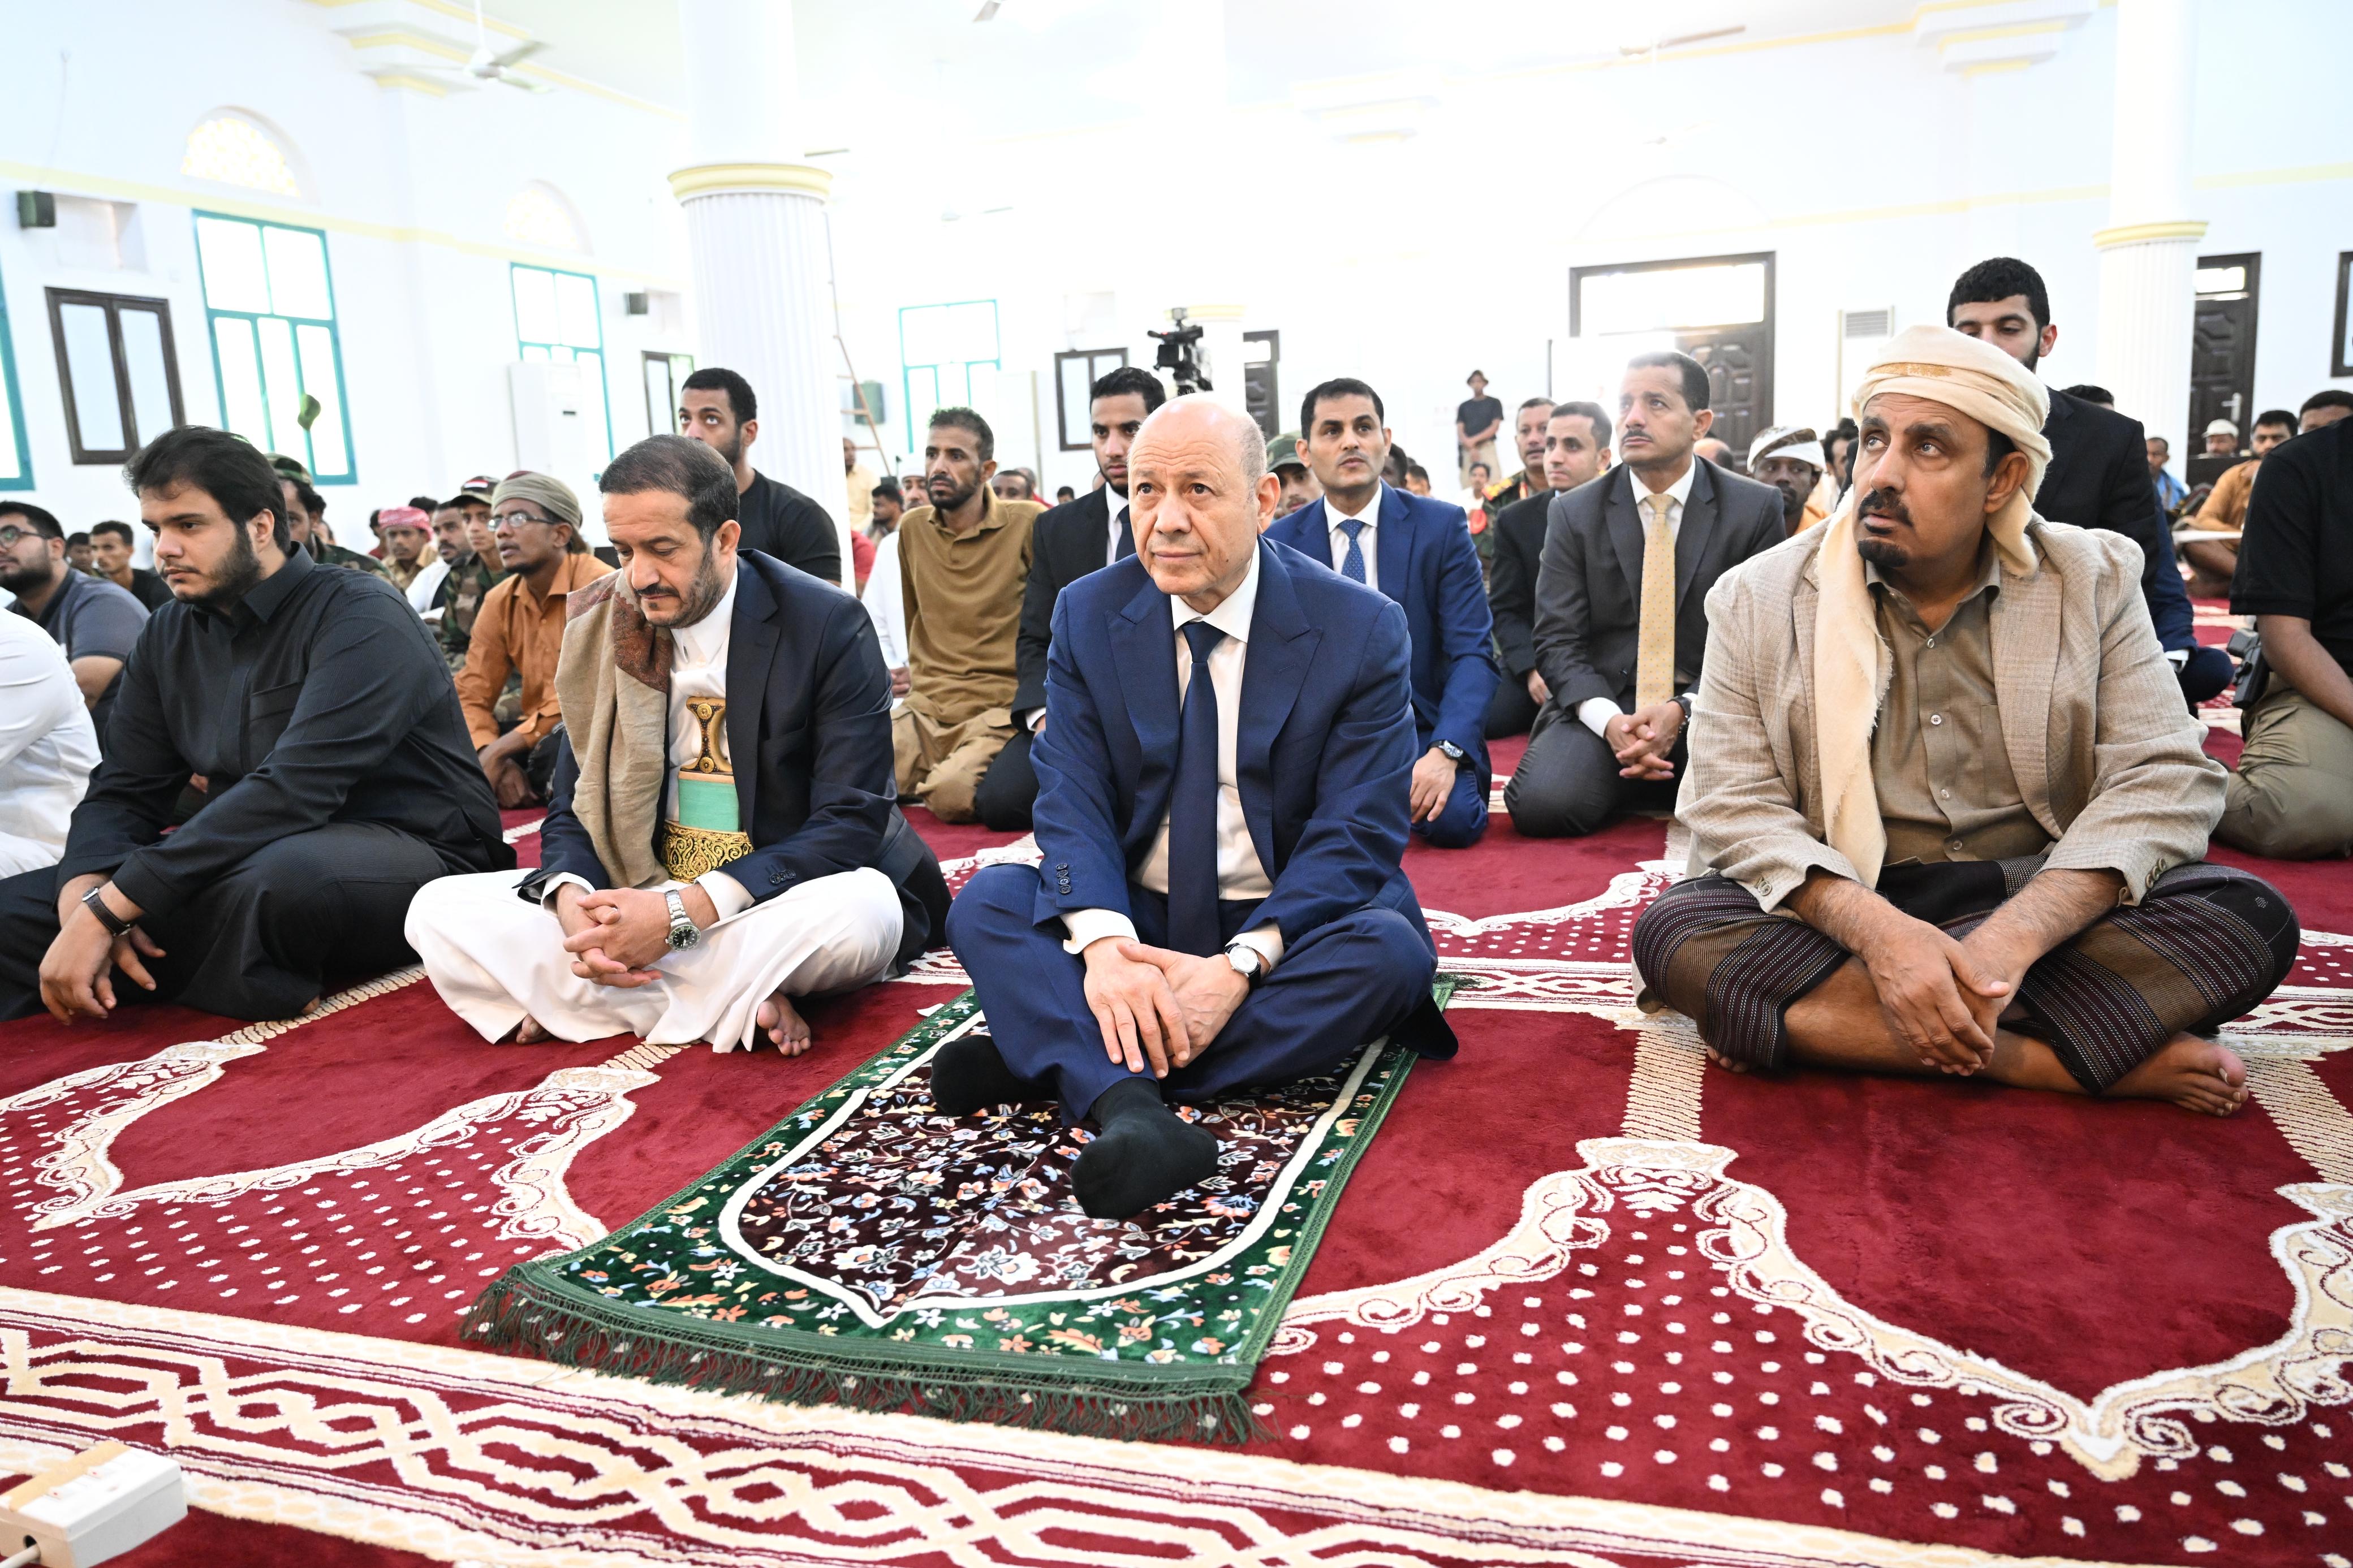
(1177, 357)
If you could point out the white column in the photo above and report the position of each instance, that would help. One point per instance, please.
(756, 226)
(2149, 252)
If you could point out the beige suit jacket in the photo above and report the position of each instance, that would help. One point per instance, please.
(2110, 760)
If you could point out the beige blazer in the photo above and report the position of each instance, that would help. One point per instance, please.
(2109, 759)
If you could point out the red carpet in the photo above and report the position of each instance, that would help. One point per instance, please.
(1584, 1302)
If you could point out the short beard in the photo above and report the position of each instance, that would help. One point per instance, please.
(19, 580)
(954, 499)
(701, 595)
(1885, 555)
(234, 579)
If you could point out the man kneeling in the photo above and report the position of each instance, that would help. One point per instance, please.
(1223, 784)
(2003, 873)
(691, 657)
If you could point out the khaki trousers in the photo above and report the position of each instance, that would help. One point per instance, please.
(941, 764)
(2292, 797)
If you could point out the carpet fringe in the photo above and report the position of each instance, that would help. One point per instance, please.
(516, 1314)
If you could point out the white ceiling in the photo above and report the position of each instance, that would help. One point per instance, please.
(1042, 65)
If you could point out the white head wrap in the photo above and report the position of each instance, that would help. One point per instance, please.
(1795, 442)
(1974, 379)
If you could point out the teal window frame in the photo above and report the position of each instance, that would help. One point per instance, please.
(548, 347)
(907, 369)
(331, 321)
(15, 427)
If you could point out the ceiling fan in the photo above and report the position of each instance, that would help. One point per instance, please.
(485, 65)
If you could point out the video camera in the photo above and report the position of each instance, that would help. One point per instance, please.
(1177, 357)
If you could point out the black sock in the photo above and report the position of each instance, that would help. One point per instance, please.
(1142, 1155)
(967, 1075)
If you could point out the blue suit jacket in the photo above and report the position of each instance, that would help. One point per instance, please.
(1425, 560)
(1326, 743)
(809, 727)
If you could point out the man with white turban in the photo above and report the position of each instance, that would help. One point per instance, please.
(1790, 458)
(1947, 811)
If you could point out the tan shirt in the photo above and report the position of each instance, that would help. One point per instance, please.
(963, 601)
(402, 576)
(2226, 504)
(1938, 761)
(515, 630)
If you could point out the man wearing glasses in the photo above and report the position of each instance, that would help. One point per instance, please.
(536, 525)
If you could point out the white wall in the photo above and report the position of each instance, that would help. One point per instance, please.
(410, 189)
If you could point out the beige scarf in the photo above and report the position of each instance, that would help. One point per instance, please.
(613, 682)
(1850, 667)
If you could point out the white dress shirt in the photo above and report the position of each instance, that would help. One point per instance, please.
(1240, 875)
(1371, 518)
(48, 746)
(885, 602)
(1597, 711)
(698, 667)
(421, 589)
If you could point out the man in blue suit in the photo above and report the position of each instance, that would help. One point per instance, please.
(1419, 553)
(1221, 808)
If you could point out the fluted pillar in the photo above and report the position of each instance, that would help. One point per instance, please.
(2149, 252)
(755, 230)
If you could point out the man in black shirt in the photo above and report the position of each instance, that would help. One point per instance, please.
(2292, 797)
(109, 551)
(717, 409)
(1476, 421)
(340, 776)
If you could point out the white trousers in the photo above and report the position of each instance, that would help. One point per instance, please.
(19, 854)
(494, 959)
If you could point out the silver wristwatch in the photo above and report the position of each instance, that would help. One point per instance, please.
(1247, 961)
(683, 932)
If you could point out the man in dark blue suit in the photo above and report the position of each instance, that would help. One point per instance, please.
(1221, 810)
(1419, 553)
(722, 839)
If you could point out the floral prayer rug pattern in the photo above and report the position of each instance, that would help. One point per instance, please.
(870, 1250)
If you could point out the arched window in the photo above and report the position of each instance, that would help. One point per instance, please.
(231, 147)
(538, 215)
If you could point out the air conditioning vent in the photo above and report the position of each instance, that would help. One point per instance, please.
(1879, 323)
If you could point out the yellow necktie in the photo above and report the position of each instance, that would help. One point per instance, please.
(1654, 662)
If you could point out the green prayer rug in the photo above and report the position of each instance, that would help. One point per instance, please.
(870, 1250)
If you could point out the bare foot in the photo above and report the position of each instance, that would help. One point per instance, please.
(786, 1028)
(530, 1032)
(2204, 1076)
(1726, 1063)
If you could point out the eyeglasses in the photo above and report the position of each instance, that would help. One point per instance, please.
(9, 536)
(517, 518)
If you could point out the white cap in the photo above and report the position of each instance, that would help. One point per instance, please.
(2222, 427)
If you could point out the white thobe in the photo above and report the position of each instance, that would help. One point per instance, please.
(495, 958)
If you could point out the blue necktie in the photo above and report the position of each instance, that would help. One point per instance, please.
(1126, 547)
(1352, 567)
(1193, 807)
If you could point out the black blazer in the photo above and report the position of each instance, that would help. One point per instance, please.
(1519, 531)
(808, 728)
(1066, 543)
(1589, 596)
(2099, 477)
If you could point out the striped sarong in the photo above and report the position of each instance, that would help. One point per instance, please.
(2205, 945)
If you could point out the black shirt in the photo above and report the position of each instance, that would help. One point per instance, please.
(319, 699)
(2296, 557)
(779, 520)
(148, 588)
(1475, 413)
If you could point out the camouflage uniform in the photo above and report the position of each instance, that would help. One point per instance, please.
(460, 600)
(351, 560)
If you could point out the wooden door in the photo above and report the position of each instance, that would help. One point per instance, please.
(2222, 347)
(1739, 363)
